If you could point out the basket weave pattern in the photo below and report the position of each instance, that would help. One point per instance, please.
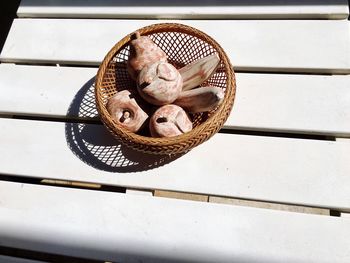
(182, 44)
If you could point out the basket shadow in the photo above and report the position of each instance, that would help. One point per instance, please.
(90, 141)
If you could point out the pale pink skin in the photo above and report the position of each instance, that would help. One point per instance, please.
(125, 111)
(143, 52)
(159, 83)
(169, 121)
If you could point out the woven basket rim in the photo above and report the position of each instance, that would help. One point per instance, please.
(131, 138)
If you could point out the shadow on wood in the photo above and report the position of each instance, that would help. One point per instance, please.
(90, 141)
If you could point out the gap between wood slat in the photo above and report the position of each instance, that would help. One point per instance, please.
(220, 9)
(267, 133)
(53, 118)
(335, 213)
(52, 64)
(206, 17)
(237, 69)
(174, 195)
(277, 17)
(62, 183)
(42, 256)
(271, 133)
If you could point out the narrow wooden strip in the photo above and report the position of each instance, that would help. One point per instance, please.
(282, 207)
(283, 46)
(178, 195)
(221, 9)
(293, 171)
(272, 102)
(70, 183)
(100, 225)
(343, 140)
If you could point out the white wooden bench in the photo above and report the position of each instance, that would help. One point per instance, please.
(285, 146)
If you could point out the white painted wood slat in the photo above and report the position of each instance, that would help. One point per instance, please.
(45, 91)
(131, 228)
(292, 103)
(296, 171)
(287, 45)
(273, 102)
(193, 9)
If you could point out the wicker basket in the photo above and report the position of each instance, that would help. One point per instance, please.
(182, 44)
